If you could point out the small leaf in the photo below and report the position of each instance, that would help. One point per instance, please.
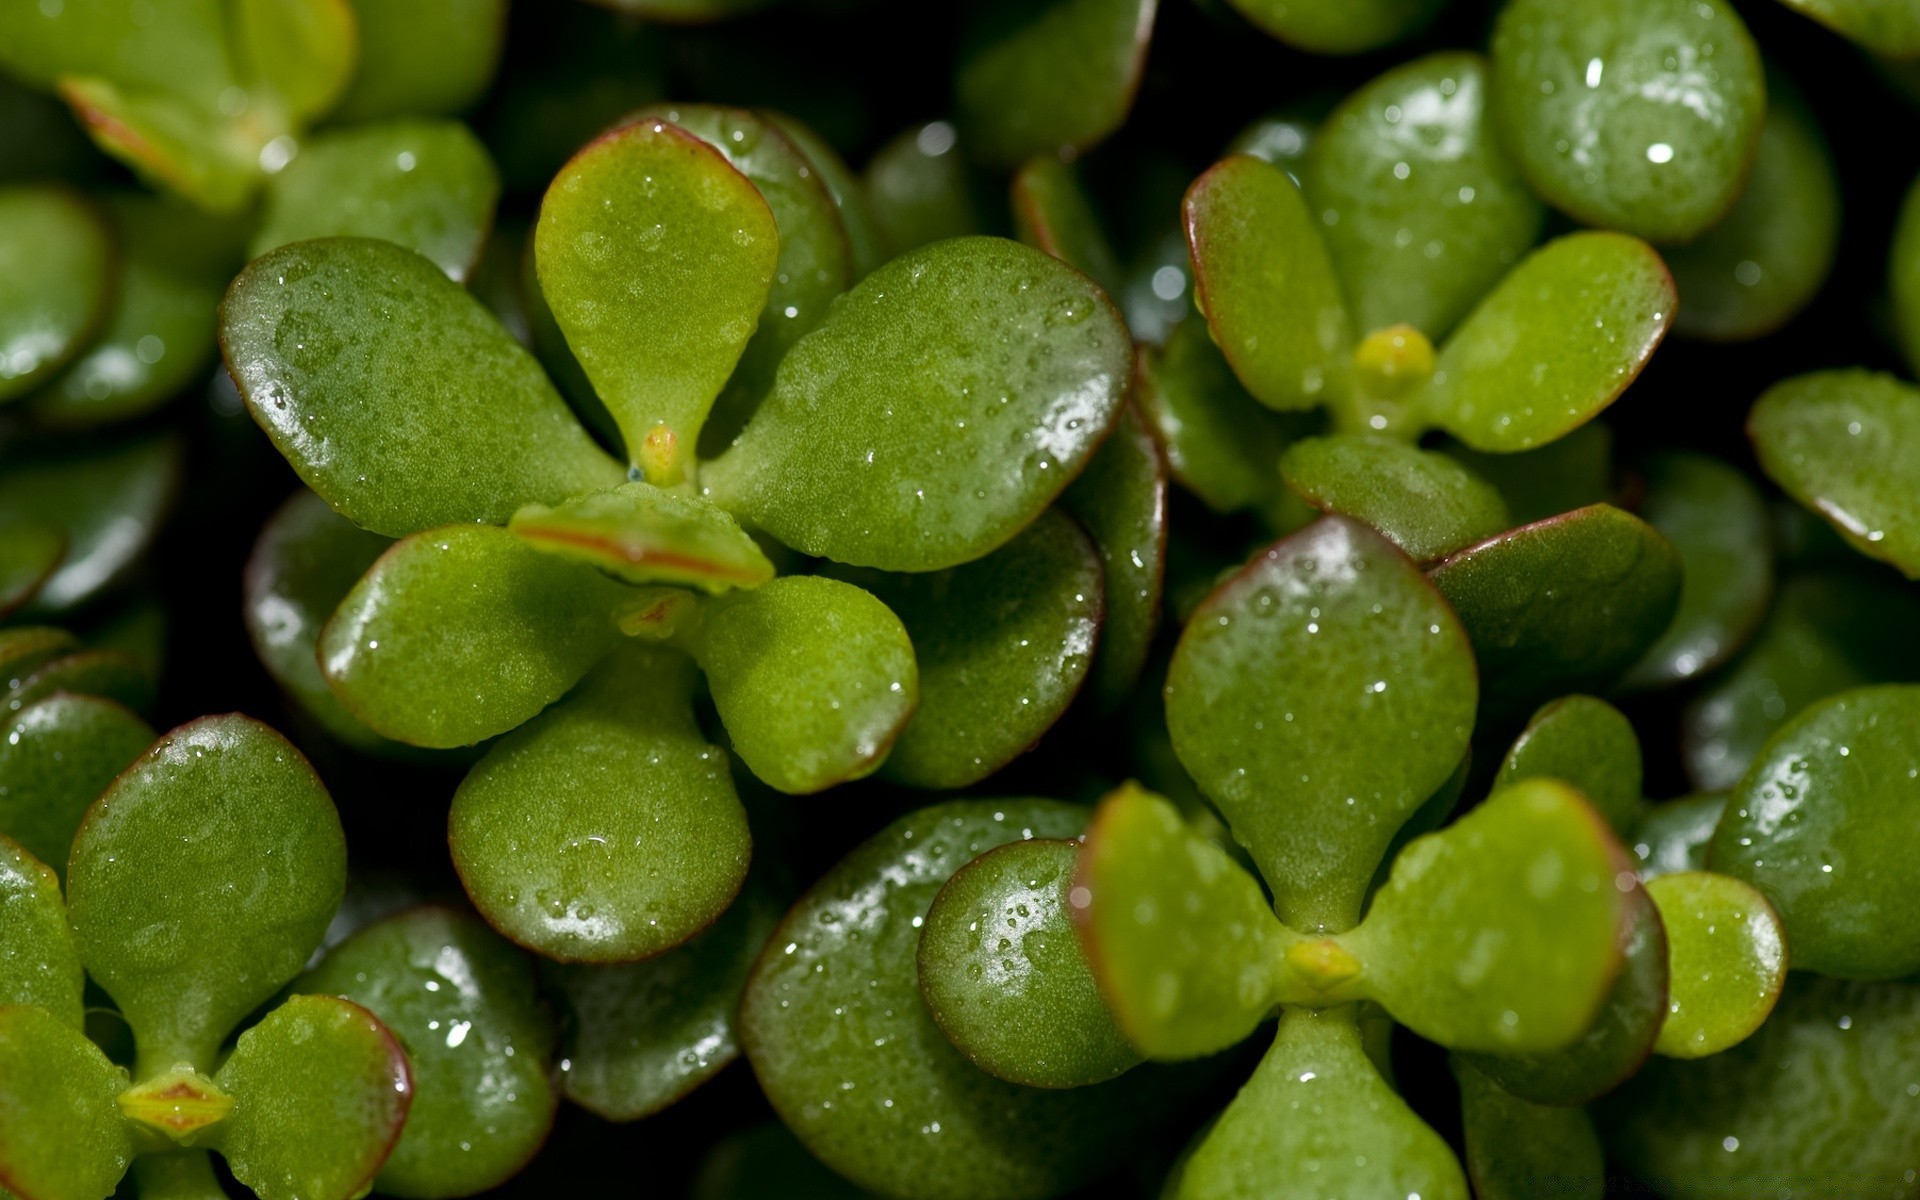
(109, 501)
(1589, 744)
(1180, 936)
(606, 829)
(175, 143)
(466, 1006)
(1517, 1150)
(1729, 961)
(1502, 932)
(1122, 502)
(1265, 281)
(320, 1091)
(1636, 115)
(1888, 30)
(1674, 836)
(58, 754)
(61, 1136)
(1553, 344)
(656, 255)
(972, 353)
(1053, 213)
(159, 842)
(1424, 502)
(813, 678)
(56, 263)
(1823, 824)
(645, 534)
(112, 674)
(460, 633)
(29, 552)
(1004, 976)
(393, 78)
(1325, 671)
(39, 965)
(1343, 28)
(394, 393)
(919, 189)
(1050, 79)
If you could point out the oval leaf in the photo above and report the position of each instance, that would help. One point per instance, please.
(1589, 744)
(1053, 78)
(56, 262)
(61, 1133)
(39, 965)
(1122, 502)
(1729, 961)
(1425, 503)
(108, 500)
(645, 534)
(58, 754)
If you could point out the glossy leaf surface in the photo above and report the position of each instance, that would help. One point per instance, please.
(1729, 957)
(58, 754)
(55, 258)
(1588, 743)
(1221, 444)
(61, 1134)
(1340, 28)
(1424, 502)
(1517, 1149)
(645, 534)
(1052, 78)
(108, 500)
(392, 76)
(38, 963)
(1052, 211)
(919, 189)
(1674, 836)
(1121, 502)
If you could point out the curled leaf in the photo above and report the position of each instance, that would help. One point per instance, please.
(1729, 956)
(645, 534)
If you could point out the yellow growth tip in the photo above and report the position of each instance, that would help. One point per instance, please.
(1322, 963)
(660, 457)
(178, 1103)
(1394, 360)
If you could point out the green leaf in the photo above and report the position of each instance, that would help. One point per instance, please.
(1636, 115)
(1729, 956)
(1517, 1150)
(919, 190)
(1823, 824)
(1841, 443)
(642, 1035)
(656, 257)
(1674, 836)
(460, 633)
(645, 534)
(394, 393)
(767, 1160)
(298, 53)
(1053, 213)
(24, 648)
(29, 552)
(177, 1175)
(1564, 604)
(58, 754)
(1180, 936)
(1266, 283)
(394, 78)
(1318, 697)
(1054, 78)
(1718, 522)
(1003, 644)
(183, 49)
(1553, 344)
(176, 143)
(1890, 30)
(965, 385)
(1903, 270)
(1323, 27)
(1422, 211)
(1502, 932)
(39, 965)
(1424, 502)
(1004, 976)
(109, 500)
(813, 678)
(1588, 743)
(424, 184)
(111, 674)
(606, 829)
(864, 240)
(320, 1091)
(61, 1135)
(1122, 502)
(466, 1006)
(162, 840)
(1558, 477)
(56, 261)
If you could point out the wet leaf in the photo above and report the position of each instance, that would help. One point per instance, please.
(39, 965)
(1122, 502)
(62, 1137)
(1517, 1149)
(1588, 743)
(1674, 836)
(108, 500)
(1424, 502)
(1052, 211)
(56, 263)
(58, 754)
(1346, 28)
(645, 534)
(1052, 78)
(918, 187)
(393, 77)
(1729, 957)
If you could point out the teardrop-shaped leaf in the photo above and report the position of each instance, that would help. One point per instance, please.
(606, 829)
(39, 965)
(108, 500)
(394, 393)
(645, 534)
(1003, 973)
(424, 184)
(813, 678)
(460, 633)
(1823, 824)
(320, 1091)
(1517, 1150)
(1121, 501)
(1318, 697)
(393, 77)
(56, 259)
(58, 754)
(1637, 115)
(1502, 932)
(111, 674)
(1265, 281)
(1889, 30)
(61, 1134)
(1423, 212)
(479, 1041)
(1553, 344)
(1564, 604)
(1053, 213)
(1588, 743)
(966, 383)
(1424, 502)
(920, 190)
(1729, 957)
(1322, 27)
(1674, 836)
(1054, 78)
(29, 552)
(1181, 938)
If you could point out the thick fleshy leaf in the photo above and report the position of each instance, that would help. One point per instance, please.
(176, 143)
(1003, 645)
(964, 385)
(1563, 475)
(1674, 836)
(864, 241)
(466, 1006)
(394, 393)
(1317, 1099)
(1563, 604)
(606, 829)
(185, 934)
(1518, 1150)
(56, 259)
(460, 633)
(29, 552)
(393, 77)
(1265, 281)
(1823, 824)
(177, 1175)
(1318, 697)
(39, 965)
(641, 1035)
(1181, 938)
(1718, 522)
(108, 501)
(1422, 211)
(1003, 973)
(1424, 502)
(24, 648)
(320, 1091)
(1637, 115)
(1502, 932)
(1122, 502)
(655, 255)
(61, 1133)
(427, 185)
(1889, 30)
(1729, 957)
(1053, 78)
(645, 534)
(1324, 27)
(58, 754)
(1556, 342)
(813, 678)
(1052, 211)
(919, 190)
(1588, 743)
(112, 674)
(300, 53)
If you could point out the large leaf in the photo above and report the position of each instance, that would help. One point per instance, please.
(61, 1134)
(55, 281)
(1053, 78)
(1729, 957)
(57, 755)
(39, 965)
